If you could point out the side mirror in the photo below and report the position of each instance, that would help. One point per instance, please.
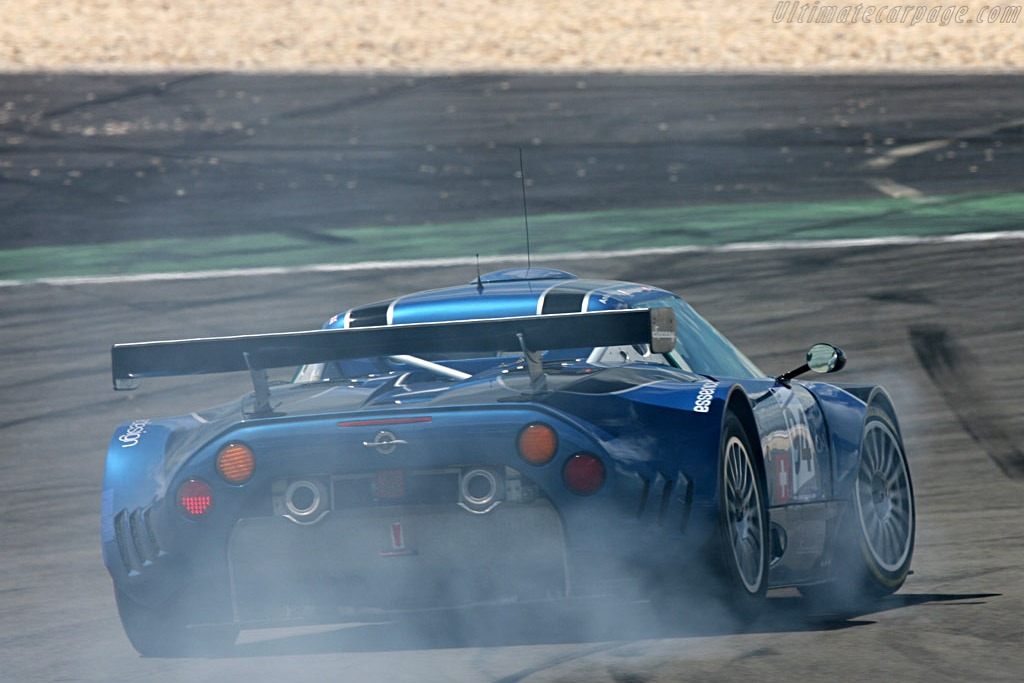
(823, 358)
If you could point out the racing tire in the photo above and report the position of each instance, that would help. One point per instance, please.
(875, 544)
(742, 521)
(164, 632)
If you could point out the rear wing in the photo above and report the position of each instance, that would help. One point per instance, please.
(132, 362)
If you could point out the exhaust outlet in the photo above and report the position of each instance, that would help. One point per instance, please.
(480, 490)
(303, 501)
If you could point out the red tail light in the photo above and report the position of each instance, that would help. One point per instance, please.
(583, 474)
(194, 498)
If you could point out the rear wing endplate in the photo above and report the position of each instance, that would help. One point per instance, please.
(132, 362)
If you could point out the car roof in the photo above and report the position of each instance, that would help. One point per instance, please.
(504, 293)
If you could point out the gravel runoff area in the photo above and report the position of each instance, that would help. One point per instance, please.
(486, 35)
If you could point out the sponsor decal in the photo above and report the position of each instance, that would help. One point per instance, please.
(797, 472)
(703, 402)
(399, 543)
(804, 484)
(132, 435)
(783, 492)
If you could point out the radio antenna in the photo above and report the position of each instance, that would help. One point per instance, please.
(526, 218)
(479, 283)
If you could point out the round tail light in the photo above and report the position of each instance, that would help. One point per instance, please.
(583, 474)
(195, 498)
(236, 463)
(537, 443)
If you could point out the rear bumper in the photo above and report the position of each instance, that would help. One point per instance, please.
(395, 557)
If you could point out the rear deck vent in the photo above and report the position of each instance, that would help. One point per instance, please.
(563, 302)
(369, 316)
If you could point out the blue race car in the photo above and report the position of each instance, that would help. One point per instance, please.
(528, 436)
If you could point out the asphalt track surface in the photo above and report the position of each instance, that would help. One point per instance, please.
(940, 325)
(96, 159)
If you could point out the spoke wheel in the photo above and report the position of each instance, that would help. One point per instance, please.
(743, 518)
(884, 500)
(875, 544)
(743, 515)
(884, 504)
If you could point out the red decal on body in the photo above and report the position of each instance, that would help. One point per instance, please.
(783, 479)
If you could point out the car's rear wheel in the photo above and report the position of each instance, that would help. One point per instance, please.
(163, 632)
(743, 519)
(876, 542)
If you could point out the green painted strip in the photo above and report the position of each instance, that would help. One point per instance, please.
(707, 225)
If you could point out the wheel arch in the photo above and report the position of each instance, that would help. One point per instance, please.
(879, 399)
(744, 599)
(738, 403)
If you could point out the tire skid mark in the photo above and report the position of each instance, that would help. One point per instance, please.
(342, 106)
(143, 90)
(954, 371)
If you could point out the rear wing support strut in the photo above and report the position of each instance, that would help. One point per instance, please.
(538, 380)
(260, 386)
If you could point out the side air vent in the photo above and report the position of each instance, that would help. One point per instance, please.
(684, 493)
(136, 542)
(121, 533)
(149, 532)
(644, 492)
(142, 536)
(666, 501)
(666, 493)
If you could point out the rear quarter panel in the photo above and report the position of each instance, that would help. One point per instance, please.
(663, 439)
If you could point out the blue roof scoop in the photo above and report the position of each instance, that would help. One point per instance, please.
(524, 274)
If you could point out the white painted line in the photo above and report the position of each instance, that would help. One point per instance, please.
(893, 155)
(778, 245)
(988, 130)
(896, 153)
(919, 148)
(894, 189)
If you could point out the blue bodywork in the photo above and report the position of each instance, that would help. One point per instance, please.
(654, 423)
